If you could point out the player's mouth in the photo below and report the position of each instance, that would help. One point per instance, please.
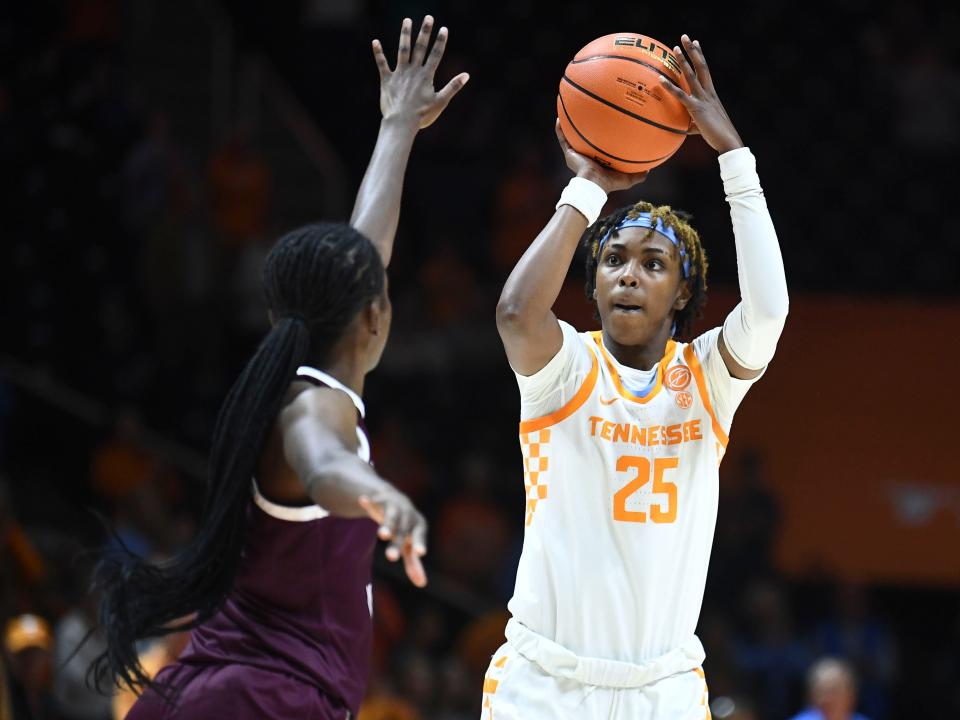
(623, 307)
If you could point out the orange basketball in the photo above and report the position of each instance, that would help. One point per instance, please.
(611, 105)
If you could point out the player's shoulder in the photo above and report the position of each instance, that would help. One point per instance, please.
(569, 331)
(576, 343)
(318, 403)
(586, 341)
(585, 348)
(703, 346)
(567, 368)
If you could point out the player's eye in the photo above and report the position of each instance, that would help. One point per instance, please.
(655, 265)
(612, 259)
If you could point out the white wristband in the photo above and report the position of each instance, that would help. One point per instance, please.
(585, 196)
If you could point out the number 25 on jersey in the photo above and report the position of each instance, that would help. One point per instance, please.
(659, 512)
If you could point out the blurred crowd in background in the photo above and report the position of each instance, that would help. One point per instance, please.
(132, 237)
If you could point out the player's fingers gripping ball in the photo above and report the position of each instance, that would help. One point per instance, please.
(611, 105)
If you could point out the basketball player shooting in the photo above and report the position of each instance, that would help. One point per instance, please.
(622, 432)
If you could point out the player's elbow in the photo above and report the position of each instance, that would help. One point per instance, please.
(767, 311)
(775, 315)
(778, 303)
(764, 329)
(515, 319)
(510, 313)
(770, 319)
(333, 488)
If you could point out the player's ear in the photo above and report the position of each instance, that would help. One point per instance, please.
(371, 315)
(684, 294)
(377, 313)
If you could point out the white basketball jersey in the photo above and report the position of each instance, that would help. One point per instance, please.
(621, 508)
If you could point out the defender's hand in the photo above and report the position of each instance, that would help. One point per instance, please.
(402, 524)
(406, 92)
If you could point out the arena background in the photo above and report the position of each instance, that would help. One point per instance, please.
(151, 151)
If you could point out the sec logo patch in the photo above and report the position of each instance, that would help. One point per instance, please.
(684, 400)
(677, 377)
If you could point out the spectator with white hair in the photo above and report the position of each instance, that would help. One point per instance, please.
(832, 691)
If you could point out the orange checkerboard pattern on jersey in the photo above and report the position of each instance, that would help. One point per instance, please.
(535, 465)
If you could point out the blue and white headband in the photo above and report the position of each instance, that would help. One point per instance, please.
(644, 220)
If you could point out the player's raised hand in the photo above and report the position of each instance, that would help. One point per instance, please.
(403, 526)
(406, 92)
(708, 118)
(582, 166)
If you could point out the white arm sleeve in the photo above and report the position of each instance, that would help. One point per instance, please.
(751, 331)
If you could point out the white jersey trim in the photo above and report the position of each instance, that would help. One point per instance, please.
(332, 382)
(305, 513)
(363, 444)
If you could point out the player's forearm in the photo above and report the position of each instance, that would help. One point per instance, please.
(534, 284)
(751, 331)
(343, 480)
(376, 212)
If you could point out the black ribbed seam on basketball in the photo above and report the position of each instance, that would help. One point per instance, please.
(638, 61)
(620, 109)
(601, 150)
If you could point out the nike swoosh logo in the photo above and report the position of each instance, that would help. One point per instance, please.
(611, 401)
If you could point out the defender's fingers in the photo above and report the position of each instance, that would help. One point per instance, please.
(419, 538)
(401, 533)
(389, 528)
(382, 65)
(423, 40)
(393, 551)
(373, 510)
(452, 88)
(413, 566)
(439, 45)
(403, 53)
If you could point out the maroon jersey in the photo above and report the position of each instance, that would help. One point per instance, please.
(297, 624)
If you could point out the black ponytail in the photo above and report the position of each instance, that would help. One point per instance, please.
(316, 279)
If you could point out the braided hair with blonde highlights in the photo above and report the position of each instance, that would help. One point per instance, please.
(678, 221)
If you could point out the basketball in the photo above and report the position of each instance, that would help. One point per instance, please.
(611, 105)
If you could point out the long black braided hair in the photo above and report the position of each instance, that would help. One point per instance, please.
(316, 279)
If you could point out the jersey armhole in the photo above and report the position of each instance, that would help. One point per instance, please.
(290, 513)
(545, 421)
(693, 362)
